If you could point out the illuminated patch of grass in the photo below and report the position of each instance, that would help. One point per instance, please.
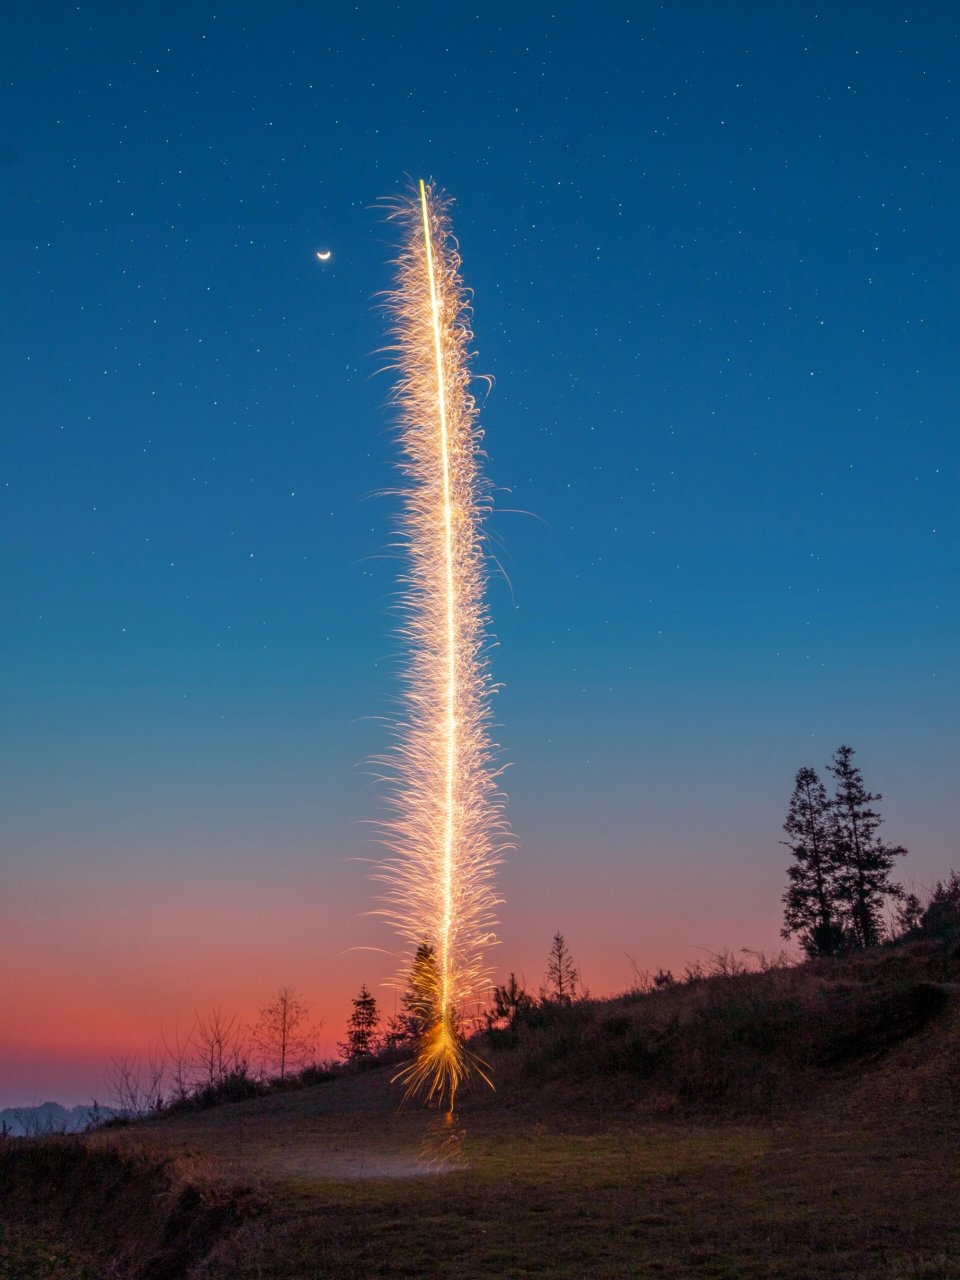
(722, 1201)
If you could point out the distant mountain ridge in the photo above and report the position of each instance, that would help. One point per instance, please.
(50, 1117)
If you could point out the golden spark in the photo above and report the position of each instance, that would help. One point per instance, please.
(447, 830)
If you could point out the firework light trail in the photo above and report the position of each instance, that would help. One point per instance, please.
(447, 831)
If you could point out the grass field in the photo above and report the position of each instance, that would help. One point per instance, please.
(582, 1175)
(602, 1196)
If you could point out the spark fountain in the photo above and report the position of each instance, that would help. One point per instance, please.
(446, 832)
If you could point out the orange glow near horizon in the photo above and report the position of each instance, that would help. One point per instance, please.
(99, 965)
(447, 830)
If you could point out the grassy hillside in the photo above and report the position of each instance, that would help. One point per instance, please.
(801, 1123)
(735, 1040)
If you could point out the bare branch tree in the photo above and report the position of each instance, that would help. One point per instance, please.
(135, 1085)
(218, 1047)
(283, 1035)
(179, 1063)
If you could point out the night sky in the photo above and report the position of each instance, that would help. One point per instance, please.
(715, 261)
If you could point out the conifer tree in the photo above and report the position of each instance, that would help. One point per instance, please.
(863, 861)
(417, 1002)
(362, 1039)
(809, 903)
(562, 973)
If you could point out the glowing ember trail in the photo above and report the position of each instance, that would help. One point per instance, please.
(447, 830)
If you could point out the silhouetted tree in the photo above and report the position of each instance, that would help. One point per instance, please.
(909, 914)
(218, 1048)
(663, 980)
(562, 973)
(863, 861)
(179, 1062)
(418, 1002)
(283, 1034)
(135, 1084)
(362, 1039)
(942, 914)
(809, 903)
(644, 982)
(510, 1001)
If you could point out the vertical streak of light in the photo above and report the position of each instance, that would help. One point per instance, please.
(448, 835)
(447, 831)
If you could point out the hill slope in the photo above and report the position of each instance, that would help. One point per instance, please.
(829, 1147)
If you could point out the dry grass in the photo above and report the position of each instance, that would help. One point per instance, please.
(27, 1255)
(569, 1172)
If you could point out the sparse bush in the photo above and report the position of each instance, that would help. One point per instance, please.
(236, 1086)
(317, 1073)
(511, 1003)
(663, 980)
(644, 981)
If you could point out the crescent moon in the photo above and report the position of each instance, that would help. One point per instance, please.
(324, 255)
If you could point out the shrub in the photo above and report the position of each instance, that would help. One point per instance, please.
(235, 1087)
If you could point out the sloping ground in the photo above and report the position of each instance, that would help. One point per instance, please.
(913, 1085)
(587, 1162)
(739, 1043)
(116, 1213)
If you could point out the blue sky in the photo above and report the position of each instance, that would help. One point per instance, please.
(715, 267)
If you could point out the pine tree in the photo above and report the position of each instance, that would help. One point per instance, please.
(863, 861)
(809, 907)
(362, 1040)
(562, 973)
(417, 1003)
